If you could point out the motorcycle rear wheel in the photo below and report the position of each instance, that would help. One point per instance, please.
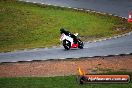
(80, 44)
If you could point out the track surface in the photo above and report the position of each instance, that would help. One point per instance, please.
(118, 7)
(122, 45)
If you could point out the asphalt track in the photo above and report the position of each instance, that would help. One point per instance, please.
(117, 7)
(114, 46)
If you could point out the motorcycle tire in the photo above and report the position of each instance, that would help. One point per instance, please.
(80, 44)
(66, 44)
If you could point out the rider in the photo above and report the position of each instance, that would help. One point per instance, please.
(62, 30)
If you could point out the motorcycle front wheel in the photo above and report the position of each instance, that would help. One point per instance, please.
(66, 44)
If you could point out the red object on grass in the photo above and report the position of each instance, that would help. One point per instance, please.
(129, 17)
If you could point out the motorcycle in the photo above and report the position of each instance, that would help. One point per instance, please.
(68, 42)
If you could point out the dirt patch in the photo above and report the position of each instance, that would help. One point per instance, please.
(66, 67)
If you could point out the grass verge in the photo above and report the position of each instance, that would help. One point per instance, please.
(56, 82)
(25, 25)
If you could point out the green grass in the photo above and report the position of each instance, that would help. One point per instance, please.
(56, 82)
(24, 25)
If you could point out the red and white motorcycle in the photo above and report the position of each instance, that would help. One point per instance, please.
(68, 42)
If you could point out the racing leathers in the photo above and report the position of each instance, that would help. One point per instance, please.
(69, 34)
